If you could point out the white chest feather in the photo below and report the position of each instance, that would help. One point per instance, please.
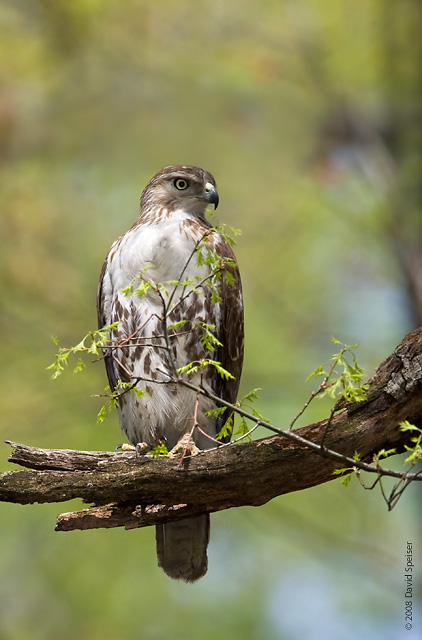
(162, 248)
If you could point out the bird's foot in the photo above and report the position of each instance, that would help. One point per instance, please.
(185, 447)
(141, 448)
(124, 447)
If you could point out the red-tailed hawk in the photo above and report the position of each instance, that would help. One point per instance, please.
(173, 286)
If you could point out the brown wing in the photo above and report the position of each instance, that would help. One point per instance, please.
(100, 298)
(103, 321)
(230, 355)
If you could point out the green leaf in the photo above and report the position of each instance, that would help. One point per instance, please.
(59, 364)
(93, 348)
(345, 481)
(196, 365)
(242, 428)
(229, 278)
(138, 392)
(338, 472)
(127, 290)
(346, 478)
(79, 366)
(174, 283)
(348, 382)
(226, 429)
(416, 450)
(407, 426)
(384, 453)
(226, 375)
(159, 450)
(191, 367)
(214, 413)
(251, 396)
(142, 289)
(258, 415)
(176, 325)
(215, 295)
(415, 456)
(102, 414)
(208, 339)
(319, 371)
(200, 260)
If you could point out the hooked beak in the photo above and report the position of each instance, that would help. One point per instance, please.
(211, 195)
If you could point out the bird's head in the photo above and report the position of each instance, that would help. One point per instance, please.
(180, 187)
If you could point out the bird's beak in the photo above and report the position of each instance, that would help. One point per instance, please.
(211, 195)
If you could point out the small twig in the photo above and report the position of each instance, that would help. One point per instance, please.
(122, 343)
(405, 479)
(207, 435)
(121, 365)
(197, 286)
(329, 421)
(302, 411)
(194, 426)
(231, 442)
(322, 387)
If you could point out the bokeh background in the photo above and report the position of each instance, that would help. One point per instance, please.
(308, 112)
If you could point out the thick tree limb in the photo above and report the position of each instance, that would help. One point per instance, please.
(145, 491)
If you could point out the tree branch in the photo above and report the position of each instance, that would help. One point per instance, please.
(135, 491)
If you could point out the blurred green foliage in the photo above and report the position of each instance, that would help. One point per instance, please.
(96, 97)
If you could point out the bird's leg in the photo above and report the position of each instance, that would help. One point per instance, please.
(184, 446)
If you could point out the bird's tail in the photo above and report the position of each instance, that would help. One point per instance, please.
(182, 547)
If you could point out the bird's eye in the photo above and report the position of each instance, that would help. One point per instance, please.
(181, 184)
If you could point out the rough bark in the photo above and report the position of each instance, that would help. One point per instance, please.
(136, 491)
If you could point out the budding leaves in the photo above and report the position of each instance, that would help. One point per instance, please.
(199, 365)
(113, 397)
(159, 450)
(415, 451)
(102, 414)
(208, 339)
(177, 325)
(347, 472)
(79, 366)
(92, 344)
(343, 377)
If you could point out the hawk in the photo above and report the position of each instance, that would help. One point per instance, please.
(172, 286)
